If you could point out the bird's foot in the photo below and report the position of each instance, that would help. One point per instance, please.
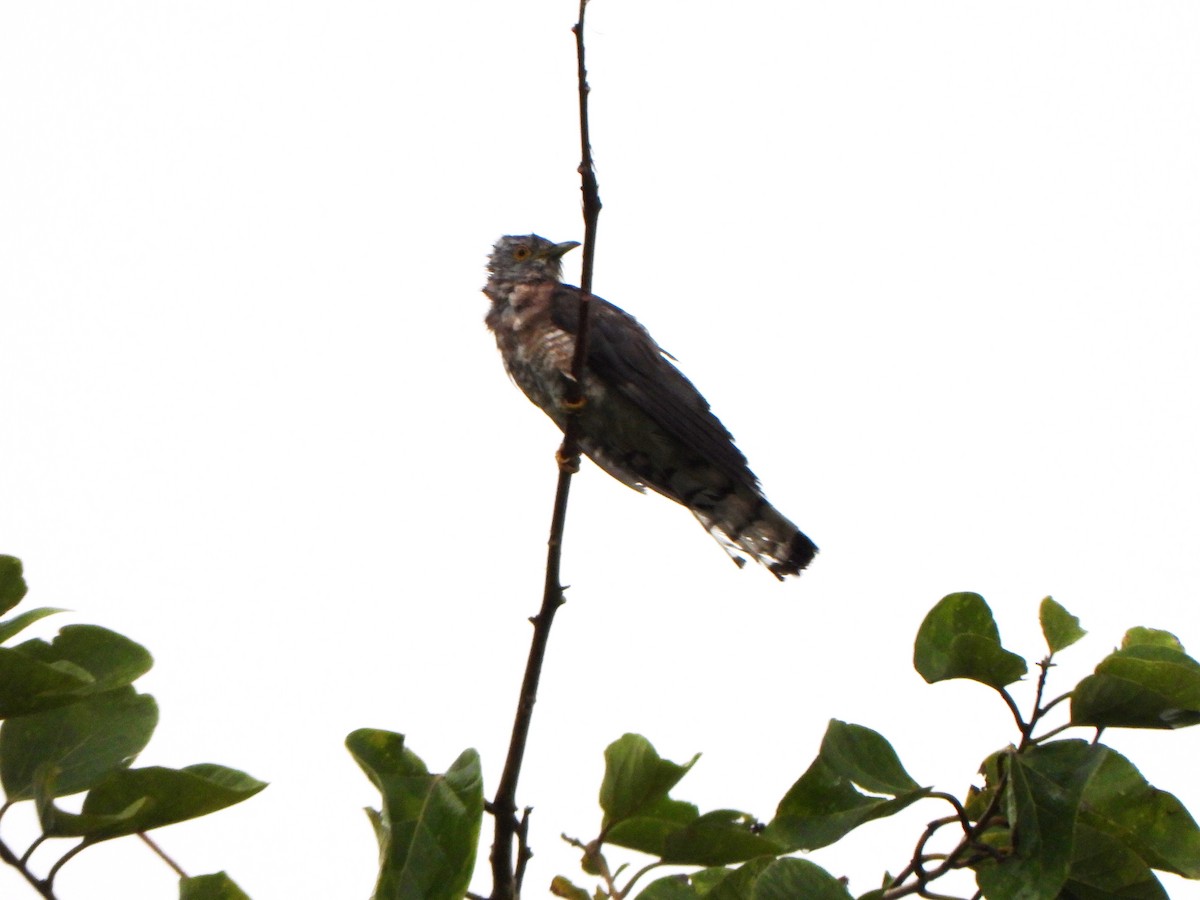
(574, 406)
(567, 462)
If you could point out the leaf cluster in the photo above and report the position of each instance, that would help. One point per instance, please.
(74, 723)
(1053, 818)
(428, 825)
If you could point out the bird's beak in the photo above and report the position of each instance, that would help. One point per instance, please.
(558, 250)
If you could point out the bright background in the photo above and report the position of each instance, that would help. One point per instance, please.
(933, 263)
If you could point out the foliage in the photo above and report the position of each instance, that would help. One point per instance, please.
(428, 827)
(1054, 818)
(74, 722)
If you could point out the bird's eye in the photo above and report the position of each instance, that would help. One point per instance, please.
(522, 252)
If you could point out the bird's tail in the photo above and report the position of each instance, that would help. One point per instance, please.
(744, 522)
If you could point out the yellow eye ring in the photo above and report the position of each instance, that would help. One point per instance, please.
(521, 253)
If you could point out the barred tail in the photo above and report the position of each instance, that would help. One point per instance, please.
(744, 522)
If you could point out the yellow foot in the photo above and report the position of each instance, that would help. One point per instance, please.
(574, 406)
(567, 463)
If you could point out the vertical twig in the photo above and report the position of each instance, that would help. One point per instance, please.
(505, 881)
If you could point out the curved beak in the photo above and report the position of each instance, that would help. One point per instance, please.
(558, 250)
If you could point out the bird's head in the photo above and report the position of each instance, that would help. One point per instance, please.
(527, 257)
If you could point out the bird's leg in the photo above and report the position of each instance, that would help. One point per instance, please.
(573, 406)
(567, 462)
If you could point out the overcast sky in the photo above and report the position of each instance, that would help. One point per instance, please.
(933, 263)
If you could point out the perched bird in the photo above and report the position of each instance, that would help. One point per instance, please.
(642, 421)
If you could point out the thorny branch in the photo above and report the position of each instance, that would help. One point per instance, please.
(506, 883)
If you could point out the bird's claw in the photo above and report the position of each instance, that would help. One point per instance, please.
(567, 463)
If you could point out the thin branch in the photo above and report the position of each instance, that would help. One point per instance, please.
(916, 865)
(162, 854)
(42, 887)
(63, 860)
(524, 854)
(1057, 700)
(1012, 707)
(1038, 711)
(955, 859)
(1051, 733)
(505, 881)
(589, 186)
(37, 842)
(638, 874)
(963, 819)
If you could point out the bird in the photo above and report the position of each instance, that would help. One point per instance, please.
(641, 420)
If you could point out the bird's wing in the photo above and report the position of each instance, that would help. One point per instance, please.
(623, 355)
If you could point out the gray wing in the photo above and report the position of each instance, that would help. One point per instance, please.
(622, 354)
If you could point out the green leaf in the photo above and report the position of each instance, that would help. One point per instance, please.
(669, 887)
(28, 686)
(979, 799)
(823, 805)
(57, 822)
(1154, 824)
(959, 639)
(788, 879)
(648, 831)
(865, 758)
(210, 887)
(17, 624)
(675, 832)
(1045, 788)
(717, 883)
(112, 659)
(636, 778)
(562, 887)
(1148, 683)
(737, 884)
(429, 824)
(1150, 637)
(12, 583)
(1103, 868)
(83, 742)
(1060, 628)
(133, 800)
(717, 838)
(761, 879)
(640, 815)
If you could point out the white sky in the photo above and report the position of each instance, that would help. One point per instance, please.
(933, 263)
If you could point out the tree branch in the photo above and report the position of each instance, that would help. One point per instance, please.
(505, 883)
(162, 854)
(42, 887)
(1016, 713)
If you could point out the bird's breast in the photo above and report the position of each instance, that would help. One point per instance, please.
(536, 352)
